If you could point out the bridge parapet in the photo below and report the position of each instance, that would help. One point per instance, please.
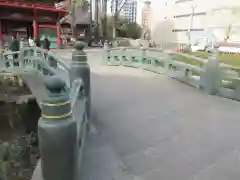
(33, 65)
(208, 74)
(63, 93)
(61, 130)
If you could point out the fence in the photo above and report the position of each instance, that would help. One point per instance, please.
(65, 104)
(208, 75)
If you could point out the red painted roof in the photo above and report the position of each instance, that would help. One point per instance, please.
(27, 5)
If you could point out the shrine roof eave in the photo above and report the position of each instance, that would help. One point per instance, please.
(32, 6)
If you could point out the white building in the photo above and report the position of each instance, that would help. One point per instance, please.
(184, 21)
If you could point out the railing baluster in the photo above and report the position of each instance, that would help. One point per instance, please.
(58, 134)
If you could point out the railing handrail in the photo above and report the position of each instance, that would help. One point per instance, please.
(77, 88)
(57, 58)
(196, 58)
(208, 74)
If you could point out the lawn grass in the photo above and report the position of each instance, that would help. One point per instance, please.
(187, 60)
(229, 59)
(226, 58)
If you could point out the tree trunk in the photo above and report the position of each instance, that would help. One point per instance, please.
(73, 18)
(115, 18)
(97, 18)
(91, 23)
(114, 32)
(105, 19)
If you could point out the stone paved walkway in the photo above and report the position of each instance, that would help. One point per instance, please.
(149, 127)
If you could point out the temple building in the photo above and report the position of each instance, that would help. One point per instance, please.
(26, 20)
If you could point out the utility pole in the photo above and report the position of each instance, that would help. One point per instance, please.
(191, 22)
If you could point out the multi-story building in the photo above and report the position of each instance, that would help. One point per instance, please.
(187, 20)
(146, 18)
(129, 11)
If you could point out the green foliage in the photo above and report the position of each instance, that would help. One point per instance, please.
(229, 59)
(226, 58)
(83, 4)
(123, 28)
(14, 157)
(133, 30)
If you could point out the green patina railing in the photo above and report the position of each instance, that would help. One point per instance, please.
(65, 106)
(207, 74)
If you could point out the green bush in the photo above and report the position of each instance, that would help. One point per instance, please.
(15, 159)
(133, 30)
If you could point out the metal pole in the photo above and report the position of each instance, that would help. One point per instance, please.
(191, 22)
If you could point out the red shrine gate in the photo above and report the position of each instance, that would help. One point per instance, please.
(30, 19)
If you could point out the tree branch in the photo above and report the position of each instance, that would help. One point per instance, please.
(115, 4)
(121, 6)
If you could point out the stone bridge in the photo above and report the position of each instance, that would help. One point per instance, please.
(145, 125)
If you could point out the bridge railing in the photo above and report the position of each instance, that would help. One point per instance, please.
(207, 74)
(28, 58)
(61, 67)
(230, 82)
(62, 130)
(65, 109)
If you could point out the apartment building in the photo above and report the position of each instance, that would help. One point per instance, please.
(129, 11)
(185, 21)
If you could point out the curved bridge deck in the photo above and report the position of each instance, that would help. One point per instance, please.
(149, 127)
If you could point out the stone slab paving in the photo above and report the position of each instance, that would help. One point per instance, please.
(158, 128)
(149, 127)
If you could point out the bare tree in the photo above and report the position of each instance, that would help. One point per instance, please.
(101, 17)
(116, 7)
(228, 33)
(223, 19)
